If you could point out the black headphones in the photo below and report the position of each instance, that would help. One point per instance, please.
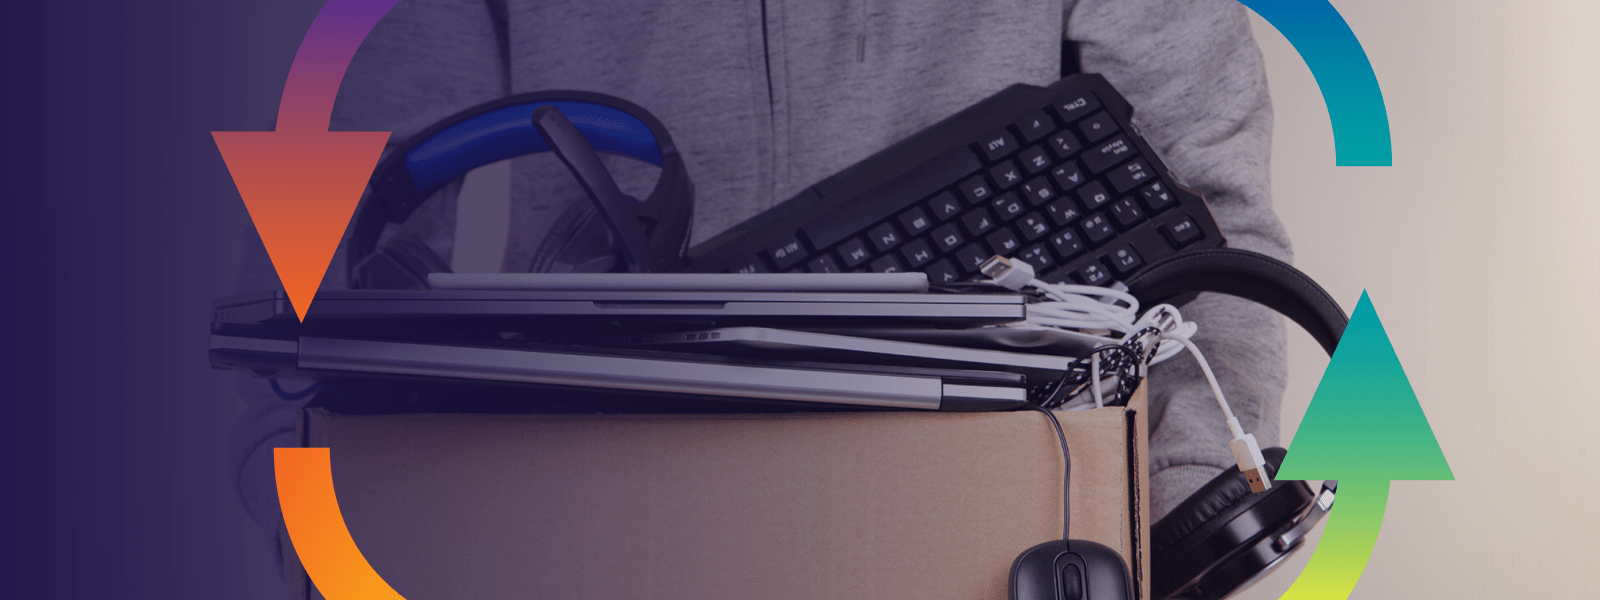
(1224, 537)
(612, 232)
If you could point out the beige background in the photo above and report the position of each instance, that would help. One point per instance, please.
(1477, 252)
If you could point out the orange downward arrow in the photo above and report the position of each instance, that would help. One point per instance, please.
(301, 188)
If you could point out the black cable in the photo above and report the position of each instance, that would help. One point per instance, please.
(276, 389)
(1119, 360)
(1066, 475)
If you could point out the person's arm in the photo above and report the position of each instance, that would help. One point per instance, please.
(1195, 77)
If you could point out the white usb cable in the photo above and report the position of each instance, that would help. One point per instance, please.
(1103, 309)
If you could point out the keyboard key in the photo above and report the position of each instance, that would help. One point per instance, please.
(941, 271)
(884, 237)
(887, 264)
(1075, 106)
(1008, 207)
(1107, 155)
(1035, 125)
(947, 238)
(1033, 160)
(945, 206)
(1064, 145)
(917, 253)
(997, 145)
(1129, 176)
(1097, 229)
(1038, 257)
(1033, 227)
(854, 252)
(823, 264)
(1006, 175)
(1068, 176)
(978, 221)
(1123, 259)
(1093, 274)
(1063, 211)
(915, 221)
(786, 253)
(976, 189)
(1003, 242)
(1126, 213)
(1181, 231)
(1066, 244)
(1038, 191)
(1094, 196)
(1157, 198)
(970, 257)
(1097, 127)
(749, 265)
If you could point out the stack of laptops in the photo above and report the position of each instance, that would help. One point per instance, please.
(820, 340)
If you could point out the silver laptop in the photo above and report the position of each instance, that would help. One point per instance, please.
(691, 375)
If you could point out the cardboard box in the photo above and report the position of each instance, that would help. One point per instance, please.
(772, 506)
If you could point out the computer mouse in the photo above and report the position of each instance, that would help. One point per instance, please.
(1070, 570)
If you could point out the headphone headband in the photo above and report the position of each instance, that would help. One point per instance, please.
(503, 129)
(1249, 275)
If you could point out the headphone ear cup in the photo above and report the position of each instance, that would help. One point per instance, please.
(1212, 499)
(1224, 536)
(578, 242)
(402, 263)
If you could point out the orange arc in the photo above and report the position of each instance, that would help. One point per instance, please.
(317, 528)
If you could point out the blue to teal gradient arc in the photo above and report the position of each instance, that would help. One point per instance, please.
(1343, 73)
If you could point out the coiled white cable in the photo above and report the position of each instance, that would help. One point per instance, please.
(1095, 308)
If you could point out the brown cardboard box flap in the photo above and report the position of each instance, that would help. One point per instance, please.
(805, 505)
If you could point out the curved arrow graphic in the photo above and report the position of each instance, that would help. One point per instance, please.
(1364, 428)
(302, 182)
(1343, 73)
(317, 529)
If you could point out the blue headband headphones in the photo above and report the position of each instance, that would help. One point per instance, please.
(613, 232)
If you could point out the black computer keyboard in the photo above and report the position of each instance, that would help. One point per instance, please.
(1057, 176)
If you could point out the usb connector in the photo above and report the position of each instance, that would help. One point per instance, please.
(1247, 453)
(1012, 275)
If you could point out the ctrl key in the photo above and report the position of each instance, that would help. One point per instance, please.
(1181, 231)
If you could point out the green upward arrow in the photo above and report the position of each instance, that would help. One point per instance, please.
(1364, 428)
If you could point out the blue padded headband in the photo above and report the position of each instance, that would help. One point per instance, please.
(506, 132)
(504, 129)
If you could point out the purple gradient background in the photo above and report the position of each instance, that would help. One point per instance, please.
(119, 226)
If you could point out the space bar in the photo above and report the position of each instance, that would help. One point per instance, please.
(923, 181)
